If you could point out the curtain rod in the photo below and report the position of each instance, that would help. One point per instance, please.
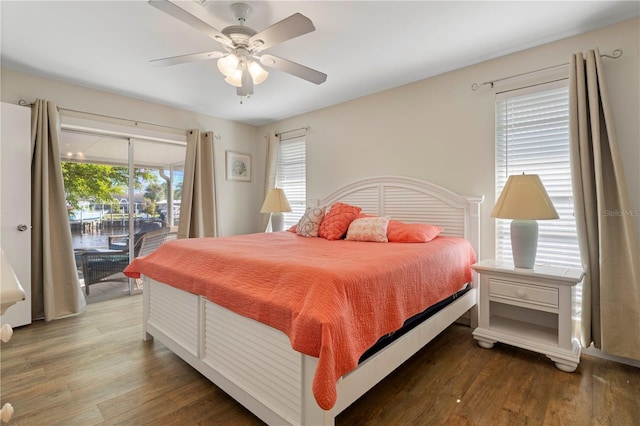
(305, 128)
(118, 135)
(22, 102)
(533, 85)
(475, 86)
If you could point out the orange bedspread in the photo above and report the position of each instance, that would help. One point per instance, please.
(334, 299)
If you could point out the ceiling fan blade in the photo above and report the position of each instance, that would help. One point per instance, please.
(291, 27)
(192, 57)
(190, 18)
(293, 68)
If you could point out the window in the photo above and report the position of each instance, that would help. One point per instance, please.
(292, 177)
(532, 137)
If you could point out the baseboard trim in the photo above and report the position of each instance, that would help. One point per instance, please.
(591, 350)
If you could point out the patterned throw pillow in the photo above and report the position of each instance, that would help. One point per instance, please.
(309, 223)
(337, 221)
(368, 229)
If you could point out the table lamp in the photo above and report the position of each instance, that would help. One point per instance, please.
(276, 203)
(524, 200)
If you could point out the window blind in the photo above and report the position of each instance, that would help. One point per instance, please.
(532, 137)
(292, 177)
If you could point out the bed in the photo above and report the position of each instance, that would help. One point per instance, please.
(227, 338)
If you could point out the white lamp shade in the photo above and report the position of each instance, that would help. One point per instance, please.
(257, 72)
(524, 200)
(275, 202)
(228, 64)
(524, 197)
(235, 79)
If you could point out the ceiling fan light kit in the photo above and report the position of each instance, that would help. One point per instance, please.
(257, 72)
(235, 79)
(228, 64)
(243, 45)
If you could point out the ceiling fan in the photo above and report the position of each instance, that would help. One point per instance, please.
(243, 46)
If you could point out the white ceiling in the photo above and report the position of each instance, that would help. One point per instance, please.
(363, 46)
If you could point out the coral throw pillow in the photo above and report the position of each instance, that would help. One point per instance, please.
(368, 229)
(336, 222)
(309, 223)
(400, 232)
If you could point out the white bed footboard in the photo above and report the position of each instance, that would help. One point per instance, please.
(255, 364)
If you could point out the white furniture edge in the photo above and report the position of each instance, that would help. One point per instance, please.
(262, 372)
(11, 291)
(565, 358)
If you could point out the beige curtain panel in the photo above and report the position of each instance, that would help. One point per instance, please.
(198, 204)
(606, 229)
(271, 175)
(55, 288)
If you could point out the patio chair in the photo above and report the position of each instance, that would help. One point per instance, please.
(107, 266)
(152, 240)
(121, 242)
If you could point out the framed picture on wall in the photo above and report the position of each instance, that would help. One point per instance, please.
(238, 166)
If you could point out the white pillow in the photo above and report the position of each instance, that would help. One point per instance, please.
(368, 229)
(309, 223)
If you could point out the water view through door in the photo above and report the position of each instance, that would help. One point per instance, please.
(120, 192)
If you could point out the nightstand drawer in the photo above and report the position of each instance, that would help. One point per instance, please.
(545, 296)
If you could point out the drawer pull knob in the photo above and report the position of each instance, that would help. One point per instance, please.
(521, 293)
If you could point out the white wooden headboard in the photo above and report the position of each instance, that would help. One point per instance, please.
(414, 201)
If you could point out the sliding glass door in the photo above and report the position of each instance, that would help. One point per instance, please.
(118, 190)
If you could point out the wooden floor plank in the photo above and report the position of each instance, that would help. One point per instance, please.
(94, 369)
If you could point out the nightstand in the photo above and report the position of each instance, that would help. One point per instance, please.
(530, 309)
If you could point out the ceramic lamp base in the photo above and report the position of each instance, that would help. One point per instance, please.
(524, 242)
(277, 222)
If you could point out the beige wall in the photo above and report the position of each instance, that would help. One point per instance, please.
(440, 130)
(238, 202)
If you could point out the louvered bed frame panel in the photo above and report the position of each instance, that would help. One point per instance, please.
(255, 364)
(415, 201)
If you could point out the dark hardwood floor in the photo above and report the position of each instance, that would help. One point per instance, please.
(94, 369)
